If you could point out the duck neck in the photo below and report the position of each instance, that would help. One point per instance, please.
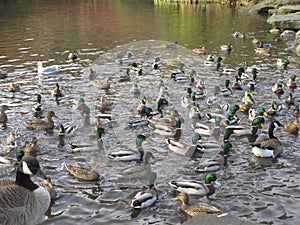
(25, 181)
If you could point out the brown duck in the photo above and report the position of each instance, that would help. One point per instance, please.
(42, 124)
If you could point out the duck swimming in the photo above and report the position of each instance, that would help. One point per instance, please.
(47, 70)
(42, 124)
(31, 200)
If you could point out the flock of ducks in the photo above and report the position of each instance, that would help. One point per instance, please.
(212, 116)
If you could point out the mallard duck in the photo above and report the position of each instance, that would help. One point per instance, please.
(3, 116)
(197, 209)
(42, 124)
(252, 114)
(261, 50)
(247, 131)
(199, 94)
(255, 41)
(227, 90)
(147, 198)
(213, 100)
(67, 129)
(248, 102)
(292, 100)
(237, 84)
(238, 34)
(90, 146)
(292, 83)
(200, 51)
(183, 148)
(8, 164)
(169, 131)
(232, 118)
(84, 173)
(73, 56)
(104, 105)
(282, 63)
(217, 162)
(32, 148)
(169, 122)
(292, 126)
(135, 89)
(205, 130)
(268, 147)
(47, 184)
(156, 64)
(227, 47)
(57, 93)
(278, 88)
(195, 113)
(31, 200)
(275, 109)
(12, 141)
(47, 70)
(102, 84)
(141, 109)
(92, 74)
(14, 88)
(195, 187)
(130, 155)
(38, 108)
(188, 101)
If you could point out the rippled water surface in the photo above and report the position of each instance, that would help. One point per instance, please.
(260, 190)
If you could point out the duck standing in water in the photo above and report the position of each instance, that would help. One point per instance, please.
(3, 116)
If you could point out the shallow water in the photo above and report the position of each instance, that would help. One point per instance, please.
(260, 190)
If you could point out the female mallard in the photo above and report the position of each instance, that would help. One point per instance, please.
(237, 84)
(292, 83)
(255, 41)
(130, 155)
(3, 116)
(169, 131)
(195, 187)
(57, 93)
(169, 122)
(197, 209)
(31, 200)
(147, 198)
(278, 88)
(268, 147)
(205, 130)
(292, 126)
(84, 173)
(102, 84)
(183, 148)
(32, 148)
(263, 51)
(200, 51)
(104, 105)
(42, 124)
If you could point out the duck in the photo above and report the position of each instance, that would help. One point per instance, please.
(260, 113)
(135, 89)
(194, 112)
(275, 109)
(278, 88)
(196, 187)
(199, 94)
(10, 164)
(270, 146)
(183, 148)
(169, 131)
(292, 126)
(227, 47)
(38, 108)
(200, 51)
(203, 129)
(247, 131)
(263, 51)
(169, 122)
(227, 90)
(32, 148)
(255, 41)
(213, 100)
(3, 74)
(141, 109)
(238, 34)
(12, 141)
(56, 92)
(292, 85)
(104, 105)
(197, 209)
(84, 173)
(232, 118)
(145, 199)
(67, 129)
(42, 124)
(31, 200)
(92, 74)
(282, 63)
(130, 155)
(237, 84)
(188, 101)
(47, 184)
(292, 100)
(248, 102)
(73, 56)
(3, 116)
(156, 64)
(47, 70)
(102, 84)
(90, 146)
(14, 88)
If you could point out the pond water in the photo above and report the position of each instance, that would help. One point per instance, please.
(264, 191)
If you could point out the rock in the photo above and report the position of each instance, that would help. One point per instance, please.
(284, 22)
(298, 50)
(289, 9)
(297, 39)
(261, 9)
(288, 35)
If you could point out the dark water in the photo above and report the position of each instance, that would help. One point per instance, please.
(263, 191)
